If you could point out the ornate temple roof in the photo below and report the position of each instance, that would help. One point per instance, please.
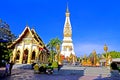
(34, 36)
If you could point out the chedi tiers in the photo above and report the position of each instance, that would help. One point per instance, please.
(29, 48)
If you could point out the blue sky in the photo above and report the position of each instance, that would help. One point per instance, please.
(94, 22)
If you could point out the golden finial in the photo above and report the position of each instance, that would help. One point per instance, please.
(105, 48)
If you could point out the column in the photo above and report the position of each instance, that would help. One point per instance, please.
(37, 55)
(14, 54)
(21, 54)
(29, 54)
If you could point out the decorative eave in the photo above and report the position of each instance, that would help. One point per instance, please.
(34, 36)
(20, 36)
(37, 38)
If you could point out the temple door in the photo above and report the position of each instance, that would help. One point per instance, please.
(25, 56)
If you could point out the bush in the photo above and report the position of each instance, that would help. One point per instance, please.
(49, 67)
(44, 65)
(42, 69)
(50, 64)
(55, 64)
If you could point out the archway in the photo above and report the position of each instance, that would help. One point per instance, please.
(25, 56)
(18, 55)
(41, 57)
(33, 55)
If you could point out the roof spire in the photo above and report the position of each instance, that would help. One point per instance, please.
(67, 10)
(27, 24)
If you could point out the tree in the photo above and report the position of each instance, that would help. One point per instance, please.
(6, 37)
(52, 47)
(5, 33)
(113, 54)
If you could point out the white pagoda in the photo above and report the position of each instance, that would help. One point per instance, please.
(67, 45)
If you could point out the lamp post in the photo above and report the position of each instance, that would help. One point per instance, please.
(106, 49)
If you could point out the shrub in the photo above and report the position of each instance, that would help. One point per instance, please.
(49, 67)
(55, 64)
(44, 65)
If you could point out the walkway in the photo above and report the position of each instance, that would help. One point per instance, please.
(66, 73)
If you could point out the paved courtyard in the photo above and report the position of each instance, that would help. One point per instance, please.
(66, 73)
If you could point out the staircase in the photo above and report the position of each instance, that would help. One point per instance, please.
(97, 71)
(22, 66)
(70, 70)
(87, 71)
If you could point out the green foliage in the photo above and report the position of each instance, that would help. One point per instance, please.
(44, 65)
(55, 64)
(5, 53)
(6, 37)
(113, 54)
(49, 67)
(5, 32)
(52, 48)
(53, 43)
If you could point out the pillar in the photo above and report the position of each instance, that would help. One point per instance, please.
(14, 54)
(37, 55)
(21, 54)
(29, 54)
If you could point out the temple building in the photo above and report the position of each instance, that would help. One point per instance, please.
(28, 48)
(67, 45)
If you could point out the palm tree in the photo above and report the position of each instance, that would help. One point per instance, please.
(52, 47)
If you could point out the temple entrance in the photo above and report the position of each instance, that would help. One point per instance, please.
(25, 56)
(43, 57)
(33, 55)
(17, 56)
